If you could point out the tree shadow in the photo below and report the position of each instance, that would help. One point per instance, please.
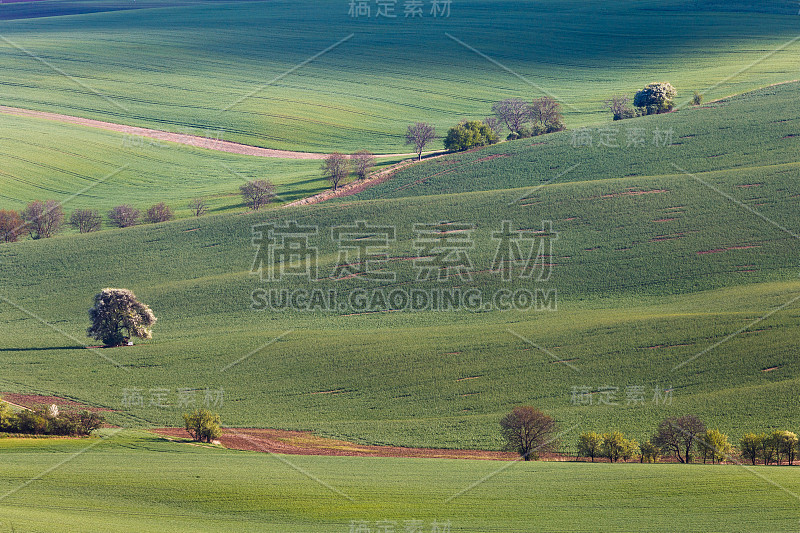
(78, 347)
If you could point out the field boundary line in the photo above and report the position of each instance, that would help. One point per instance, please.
(196, 141)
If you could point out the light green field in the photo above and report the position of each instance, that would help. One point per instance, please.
(89, 168)
(235, 66)
(136, 482)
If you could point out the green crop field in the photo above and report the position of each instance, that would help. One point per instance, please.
(88, 168)
(652, 266)
(645, 282)
(136, 482)
(304, 75)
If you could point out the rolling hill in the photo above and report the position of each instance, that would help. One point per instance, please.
(309, 76)
(665, 281)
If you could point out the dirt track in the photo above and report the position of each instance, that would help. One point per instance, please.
(181, 138)
(303, 443)
(35, 401)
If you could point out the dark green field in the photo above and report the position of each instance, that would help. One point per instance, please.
(242, 67)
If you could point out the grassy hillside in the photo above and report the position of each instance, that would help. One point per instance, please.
(42, 159)
(747, 139)
(645, 283)
(151, 67)
(169, 486)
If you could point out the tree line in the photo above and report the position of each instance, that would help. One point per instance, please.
(48, 421)
(522, 119)
(44, 219)
(531, 433)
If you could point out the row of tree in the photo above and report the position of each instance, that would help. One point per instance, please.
(530, 432)
(43, 219)
(522, 119)
(48, 421)
(336, 167)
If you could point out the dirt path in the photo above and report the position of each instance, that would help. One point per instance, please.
(181, 138)
(35, 401)
(353, 187)
(304, 443)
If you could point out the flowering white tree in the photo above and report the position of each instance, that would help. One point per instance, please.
(116, 310)
(656, 97)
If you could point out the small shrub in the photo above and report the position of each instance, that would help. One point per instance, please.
(198, 207)
(43, 219)
(124, 216)
(649, 452)
(11, 226)
(257, 193)
(362, 161)
(159, 213)
(86, 220)
(203, 425)
(697, 99)
(655, 98)
(469, 134)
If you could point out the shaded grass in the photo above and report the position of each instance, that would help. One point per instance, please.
(152, 485)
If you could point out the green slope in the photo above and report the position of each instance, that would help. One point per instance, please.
(89, 168)
(753, 135)
(243, 67)
(647, 284)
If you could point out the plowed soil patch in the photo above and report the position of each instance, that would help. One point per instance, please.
(304, 443)
(35, 401)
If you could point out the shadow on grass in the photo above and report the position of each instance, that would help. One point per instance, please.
(77, 347)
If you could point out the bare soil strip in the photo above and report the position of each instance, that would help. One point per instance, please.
(305, 443)
(35, 401)
(180, 138)
(354, 187)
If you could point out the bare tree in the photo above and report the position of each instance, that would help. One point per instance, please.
(11, 226)
(124, 216)
(43, 219)
(86, 220)
(420, 134)
(513, 113)
(363, 161)
(159, 213)
(494, 124)
(528, 432)
(679, 435)
(336, 167)
(546, 112)
(619, 105)
(257, 193)
(198, 207)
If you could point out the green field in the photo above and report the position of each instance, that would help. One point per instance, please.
(673, 285)
(644, 283)
(88, 168)
(136, 482)
(241, 67)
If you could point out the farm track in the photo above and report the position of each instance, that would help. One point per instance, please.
(180, 138)
(303, 443)
(355, 187)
